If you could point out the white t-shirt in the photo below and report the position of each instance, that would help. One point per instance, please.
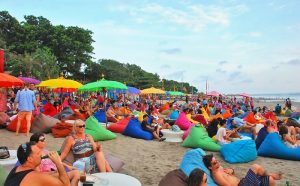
(220, 135)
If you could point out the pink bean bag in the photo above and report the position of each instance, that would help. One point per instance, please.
(183, 122)
(120, 126)
(186, 133)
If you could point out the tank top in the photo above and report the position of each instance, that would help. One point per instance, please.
(81, 145)
(15, 178)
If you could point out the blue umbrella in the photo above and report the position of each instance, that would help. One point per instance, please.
(130, 90)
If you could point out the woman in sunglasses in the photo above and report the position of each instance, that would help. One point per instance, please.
(85, 150)
(47, 165)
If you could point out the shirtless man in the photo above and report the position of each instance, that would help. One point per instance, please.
(29, 155)
(256, 176)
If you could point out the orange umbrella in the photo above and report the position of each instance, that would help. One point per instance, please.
(9, 81)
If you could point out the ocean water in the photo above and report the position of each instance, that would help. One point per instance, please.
(279, 96)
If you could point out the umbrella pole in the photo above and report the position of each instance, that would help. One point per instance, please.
(105, 108)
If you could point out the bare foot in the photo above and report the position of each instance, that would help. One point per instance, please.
(276, 176)
(17, 134)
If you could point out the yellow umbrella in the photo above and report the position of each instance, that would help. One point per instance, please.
(152, 90)
(60, 83)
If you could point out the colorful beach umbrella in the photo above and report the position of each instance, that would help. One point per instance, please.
(9, 81)
(130, 90)
(174, 93)
(152, 90)
(29, 80)
(214, 93)
(60, 83)
(245, 95)
(103, 84)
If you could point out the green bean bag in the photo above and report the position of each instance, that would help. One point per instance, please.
(198, 138)
(95, 129)
(3, 175)
(166, 112)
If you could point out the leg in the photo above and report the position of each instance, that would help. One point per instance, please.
(259, 170)
(74, 177)
(101, 162)
(28, 121)
(20, 117)
(155, 135)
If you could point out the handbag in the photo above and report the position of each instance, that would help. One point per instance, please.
(4, 153)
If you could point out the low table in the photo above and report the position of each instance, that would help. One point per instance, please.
(113, 179)
(10, 162)
(172, 136)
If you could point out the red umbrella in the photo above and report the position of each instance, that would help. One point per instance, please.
(9, 81)
(245, 95)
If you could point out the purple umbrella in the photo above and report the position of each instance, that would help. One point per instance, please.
(29, 80)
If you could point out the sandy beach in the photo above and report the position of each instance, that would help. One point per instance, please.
(149, 161)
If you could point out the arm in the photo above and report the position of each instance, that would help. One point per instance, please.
(94, 145)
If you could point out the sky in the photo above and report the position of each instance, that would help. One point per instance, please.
(236, 46)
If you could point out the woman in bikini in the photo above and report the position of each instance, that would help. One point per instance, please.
(85, 150)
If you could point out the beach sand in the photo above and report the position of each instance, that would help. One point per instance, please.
(149, 161)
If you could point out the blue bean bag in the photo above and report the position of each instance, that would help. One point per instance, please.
(241, 151)
(134, 129)
(100, 116)
(274, 147)
(193, 159)
(174, 115)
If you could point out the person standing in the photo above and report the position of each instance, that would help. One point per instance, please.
(26, 101)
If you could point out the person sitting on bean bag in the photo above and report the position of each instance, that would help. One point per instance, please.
(154, 131)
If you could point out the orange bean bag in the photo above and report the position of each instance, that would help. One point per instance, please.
(119, 126)
(219, 115)
(270, 115)
(250, 118)
(78, 115)
(62, 129)
(23, 127)
(164, 107)
(227, 114)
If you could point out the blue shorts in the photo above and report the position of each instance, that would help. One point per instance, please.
(252, 179)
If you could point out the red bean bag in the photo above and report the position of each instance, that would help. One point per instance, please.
(120, 126)
(227, 114)
(62, 129)
(49, 109)
(164, 107)
(270, 115)
(250, 118)
(77, 115)
(200, 118)
(23, 127)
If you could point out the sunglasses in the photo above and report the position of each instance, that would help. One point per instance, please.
(42, 139)
(81, 126)
(24, 146)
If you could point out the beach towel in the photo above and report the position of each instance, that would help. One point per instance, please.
(240, 151)
(194, 159)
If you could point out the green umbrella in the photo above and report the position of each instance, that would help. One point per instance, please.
(103, 84)
(175, 93)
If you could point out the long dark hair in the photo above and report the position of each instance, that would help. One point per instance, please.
(196, 177)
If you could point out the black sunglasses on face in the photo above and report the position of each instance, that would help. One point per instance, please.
(81, 126)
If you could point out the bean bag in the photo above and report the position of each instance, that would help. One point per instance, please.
(274, 147)
(183, 122)
(288, 113)
(219, 115)
(65, 113)
(198, 138)
(270, 115)
(166, 106)
(43, 123)
(120, 126)
(166, 112)
(227, 114)
(240, 151)
(250, 118)
(23, 127)
(292, 122)
(140, 118)
(77, 115)
(100, 116)
(295, 115)
(204, 113)
(186, 133)
(136, 113)
(174, 178)
(200, 118)
(194, 159)
(49, 109)
(3, 175)
(243, 115)
(174, 115)
(261, 136)
(189, 117)
(62, 129)
(134, 129)
(3, 118)
(95, 129)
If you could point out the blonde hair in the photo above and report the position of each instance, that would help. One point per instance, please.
(78, 121)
